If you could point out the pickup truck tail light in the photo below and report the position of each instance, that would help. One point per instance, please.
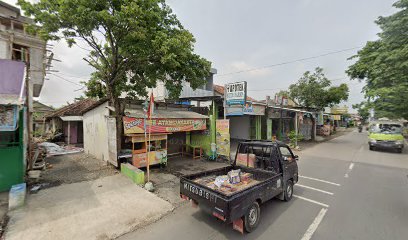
(184, 197)
(219, 216)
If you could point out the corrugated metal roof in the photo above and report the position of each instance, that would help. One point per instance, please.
(291, 109)
(138, 113)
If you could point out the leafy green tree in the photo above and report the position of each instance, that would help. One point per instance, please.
(133, 43)
(363, 109)
(314, 90)
(383, 65)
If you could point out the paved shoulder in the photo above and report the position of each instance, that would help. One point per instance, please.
(101, 209)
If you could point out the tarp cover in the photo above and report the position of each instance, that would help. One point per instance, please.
(11, 81)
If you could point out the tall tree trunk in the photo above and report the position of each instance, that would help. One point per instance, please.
(119, 122)
(118, 114)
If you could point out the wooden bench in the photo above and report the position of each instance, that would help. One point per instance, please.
(187, 147)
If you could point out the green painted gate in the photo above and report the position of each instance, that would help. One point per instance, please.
(12, 166)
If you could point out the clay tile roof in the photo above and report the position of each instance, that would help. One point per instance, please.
(75, 109)
(220, 90)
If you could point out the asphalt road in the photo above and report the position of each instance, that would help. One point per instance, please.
(346, 192)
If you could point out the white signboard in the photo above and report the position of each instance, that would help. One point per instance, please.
(235, 93)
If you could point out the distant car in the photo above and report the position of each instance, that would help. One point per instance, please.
(386, 135)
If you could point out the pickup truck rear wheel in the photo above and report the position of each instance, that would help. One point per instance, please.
(288, 191)
(252, 217)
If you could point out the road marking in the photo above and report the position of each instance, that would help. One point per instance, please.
(315, 224)
(320, 180)
(351, 166)
(316, 189)
(312, 201)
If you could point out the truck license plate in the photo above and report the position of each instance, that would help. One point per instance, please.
(200, 192)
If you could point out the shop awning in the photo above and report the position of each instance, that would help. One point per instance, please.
(291, 109)
(138, 113)
(163, 121)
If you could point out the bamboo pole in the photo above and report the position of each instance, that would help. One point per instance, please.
(148, 154)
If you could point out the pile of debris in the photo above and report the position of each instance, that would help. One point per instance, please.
(55, 150)
(39, 152)
(49, 137)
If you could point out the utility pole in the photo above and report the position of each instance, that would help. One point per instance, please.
(281, 119)
(28, 114)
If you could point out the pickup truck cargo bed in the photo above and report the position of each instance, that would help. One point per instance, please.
(258, 176)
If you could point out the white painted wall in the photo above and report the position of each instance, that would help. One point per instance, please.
(4, 48)
(240, 127)
(96, 132)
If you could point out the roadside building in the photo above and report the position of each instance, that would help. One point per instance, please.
(188, 94)
(19, 45)
(340, 115)
(40, 125)
(172, 131)
(284, 116)
(283, 120)
(68, 121)
(245, 119)
(202, 100)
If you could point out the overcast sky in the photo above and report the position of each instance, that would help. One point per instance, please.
(237, 35)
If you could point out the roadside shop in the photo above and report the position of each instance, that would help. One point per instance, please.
(164, 127)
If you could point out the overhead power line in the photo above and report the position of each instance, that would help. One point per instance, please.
(288, 62)
(283, 88)
(67, 80)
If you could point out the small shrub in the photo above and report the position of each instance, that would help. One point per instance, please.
(293, 137)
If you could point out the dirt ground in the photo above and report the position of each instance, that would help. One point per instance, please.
(167, 180)
(72, 168)
(3, 211)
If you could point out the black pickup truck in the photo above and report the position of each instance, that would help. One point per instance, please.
(274, 170)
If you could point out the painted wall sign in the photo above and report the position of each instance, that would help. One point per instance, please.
(155, 157)
(252, 109)
(235, 93)
(136, 125)
(8, 117)
(223, 137)
(234, 110)
(336, 117)
(247, 109)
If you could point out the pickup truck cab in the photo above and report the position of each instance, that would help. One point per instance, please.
(273, 170)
